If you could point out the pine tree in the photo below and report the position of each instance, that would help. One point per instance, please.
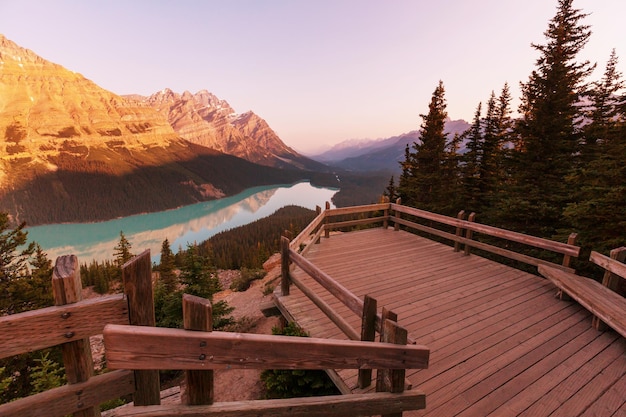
(497, 136)
(166, 268)
(603, 111)
(599, 212)
(47, 374)
(547, 131)
(450, 192)
(13, 267)
(122, 252)
(198, 274)
(404, 190)
(471, 163)
(422, 182)
(390, 191)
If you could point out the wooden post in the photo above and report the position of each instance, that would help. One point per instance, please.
(393, 381)
(326, 221)
(197, 315)
(285, 280)
(459, 231)
(562, 295)
(571, 240)
(137, 277)
(396, 226)
(368, 333)
(383, 376)
(386, 216)
(469, 233)
(318, 211)
(612, 281)
(67, 289)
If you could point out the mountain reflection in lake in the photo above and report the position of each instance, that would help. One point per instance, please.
(181, 226)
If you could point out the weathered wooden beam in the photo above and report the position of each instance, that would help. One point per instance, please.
(484, 246)
(140, 347)
(357, 209)
(459, 230)
(607, 305)
(331, 406)
(368, 333)
(67, 289)
(137, 277)
(198, 316)
(571, 240)
(396, 226)
(336, 318)
(307, 231)
(383, 376)
(614, 266)
(558, 247)
(285, 275)
(314, 240)
(51, 326)
(610, 280)
(326, 220)
(354, 303)
(72, 398)
(358, 222)
(469, 233)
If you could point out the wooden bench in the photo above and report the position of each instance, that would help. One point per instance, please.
(601, 299)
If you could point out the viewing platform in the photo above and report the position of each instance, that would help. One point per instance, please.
(401, 321)
(501, 343)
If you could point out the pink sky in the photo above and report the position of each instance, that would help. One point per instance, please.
(319, 72)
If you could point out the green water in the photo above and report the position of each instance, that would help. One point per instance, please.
(181, 226)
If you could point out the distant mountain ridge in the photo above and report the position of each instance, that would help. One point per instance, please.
(206, 120)
(381, 154)
(72, 151)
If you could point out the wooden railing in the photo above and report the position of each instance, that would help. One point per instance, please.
(606, 299)
(70, 324)
(136, 351)
(465, 231)
(293, 251)
(149, 348)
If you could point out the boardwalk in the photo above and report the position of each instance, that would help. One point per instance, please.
(501, 343)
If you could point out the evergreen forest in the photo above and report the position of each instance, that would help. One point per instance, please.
(557, 168)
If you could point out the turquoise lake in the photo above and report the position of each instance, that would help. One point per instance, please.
(181, 226)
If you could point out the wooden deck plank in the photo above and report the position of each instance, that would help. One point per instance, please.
(589, 394)
(566, 388)
(541, 376)
(500, 342)
(516, 351)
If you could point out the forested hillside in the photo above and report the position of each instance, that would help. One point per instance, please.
(558, 168)
(249, 246)
(83, 190)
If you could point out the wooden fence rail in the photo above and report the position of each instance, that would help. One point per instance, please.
(465, 231)
(69, 324)
(140, 347)
(149, 348)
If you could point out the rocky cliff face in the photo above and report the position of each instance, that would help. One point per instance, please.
(204, 119)
(71, 151)
(43, 107)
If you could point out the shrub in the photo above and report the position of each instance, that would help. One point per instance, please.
(243, 282)
(296, 383)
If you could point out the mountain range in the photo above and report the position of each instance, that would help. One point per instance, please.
(382, 154)
(72, 151)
